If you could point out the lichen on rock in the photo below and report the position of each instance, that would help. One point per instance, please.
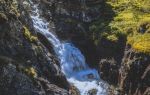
(28, 35)
(23, 58)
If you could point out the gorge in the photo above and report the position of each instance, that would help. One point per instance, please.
(72, 61)
(74, 47)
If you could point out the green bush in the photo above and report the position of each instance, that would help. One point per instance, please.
(140, 42)
(131, 20)
(112, 38)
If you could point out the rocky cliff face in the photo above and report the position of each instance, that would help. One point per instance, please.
(71, 20)
(118, 64)
(29, 67)
(131, 76)
(134, 73)
(26, 66)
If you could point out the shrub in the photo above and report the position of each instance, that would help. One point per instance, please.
(141, 43)
(143, 46)
(128, 15)
(112, 38)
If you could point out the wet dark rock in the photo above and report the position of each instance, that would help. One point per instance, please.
(71, 20)
(144, 27)
(130, 77)
(108, 70)
(23, 62)
(77, 9)
(74, 91)
(134, 73)
(45, 42)
(31, 68)
(51, 89)
(92, 92)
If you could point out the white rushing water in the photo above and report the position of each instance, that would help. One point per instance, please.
(72, 61)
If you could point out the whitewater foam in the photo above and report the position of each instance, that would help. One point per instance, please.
(72, 61)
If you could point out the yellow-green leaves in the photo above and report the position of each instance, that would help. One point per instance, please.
(140, 42)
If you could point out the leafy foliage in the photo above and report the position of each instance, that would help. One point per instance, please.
(112, 38)
(141, 43)
(132, 19)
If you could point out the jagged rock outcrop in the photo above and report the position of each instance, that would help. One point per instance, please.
(72, 19)
(134, 73)
(108, 69)
(26, 66)
(131, 76)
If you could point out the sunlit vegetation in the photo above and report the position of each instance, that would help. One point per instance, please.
(140, 42)
(129, 13)
(31, 72)
(3, 16)
(132, 18)
(14, 8)
(144, 26)
(28, 35)
(112, 38)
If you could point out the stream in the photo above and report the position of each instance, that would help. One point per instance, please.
(72, 61)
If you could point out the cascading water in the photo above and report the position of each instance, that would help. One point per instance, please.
(73, 63)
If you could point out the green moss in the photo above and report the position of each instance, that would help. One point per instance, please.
(14, 8)
(10, 8)
(31, 72)
(3, 16)
(14, 11)
(28, 35)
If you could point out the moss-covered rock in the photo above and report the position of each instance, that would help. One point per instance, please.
(3, 17)
(30, 71)
(23, 63)
(28, 35)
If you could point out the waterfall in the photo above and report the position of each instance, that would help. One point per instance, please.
(72, 61)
